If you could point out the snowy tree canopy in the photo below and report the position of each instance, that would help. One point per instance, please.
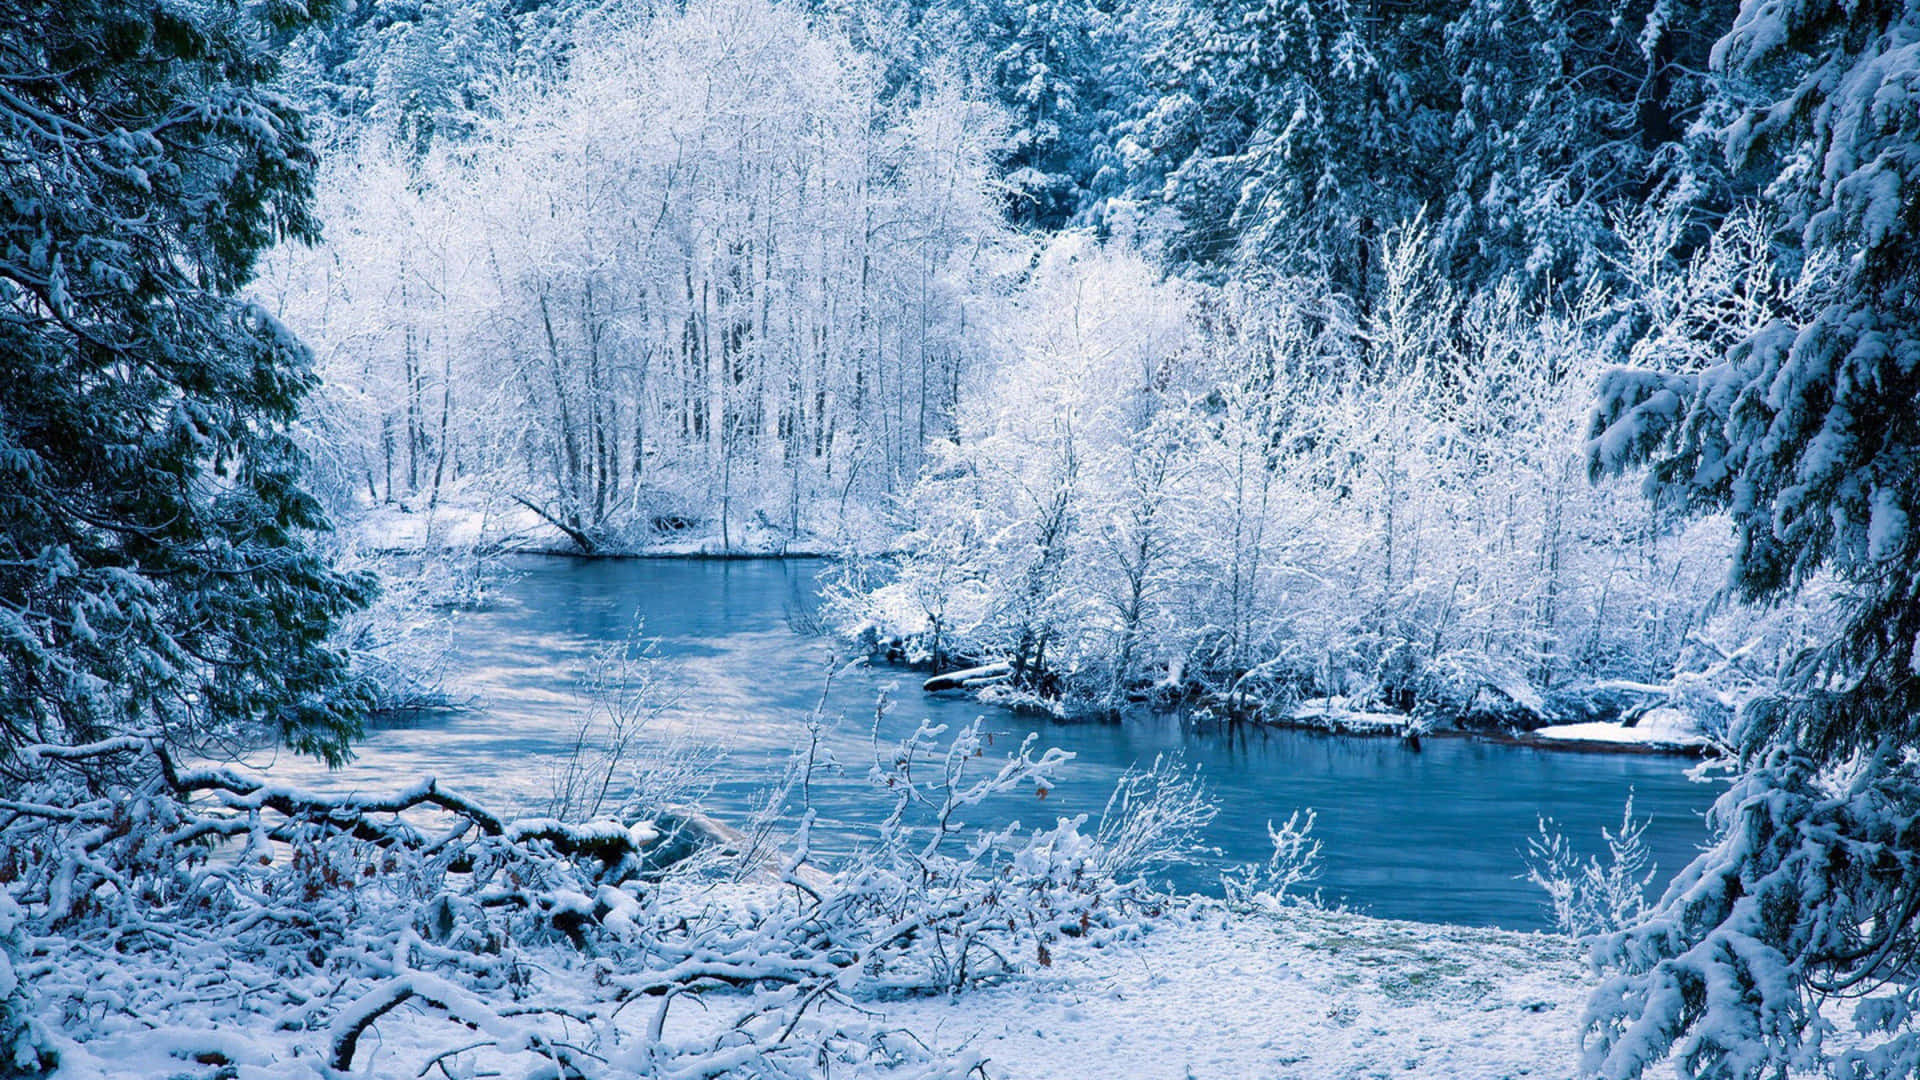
(1299, 135)
(1807, 431)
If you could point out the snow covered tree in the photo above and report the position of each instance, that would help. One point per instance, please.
(1046, 60)
(154, 569)
(1289, 134)
(1297, 136)
(1807, 433)
(690, 281)
(432, 71)
(1569, 112)
(429, 73)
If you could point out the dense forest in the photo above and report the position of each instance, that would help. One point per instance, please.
(1161, 348)
(1483, 362)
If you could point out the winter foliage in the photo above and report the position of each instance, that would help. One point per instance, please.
(1260, 495)
(318, 916)
(1591, 895)
(707, 273)
(1803, 430)
(1363, 365)
(157, 575)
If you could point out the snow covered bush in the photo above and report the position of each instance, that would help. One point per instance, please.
(308, 919)
(624, 690)
(1154, 818)
(1294, 864)
(1255, 494)
(950, 906)
(1593, 895)
(399, 644)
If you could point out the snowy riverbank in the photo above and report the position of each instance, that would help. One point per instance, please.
(1206, 994)
(467, 526)
(1297, 993)
(1656, 731)
(469, 521)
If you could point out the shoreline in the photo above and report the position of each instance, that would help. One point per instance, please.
(736, 555)
(1523, 739)
(1292, 992)
(1699, 752)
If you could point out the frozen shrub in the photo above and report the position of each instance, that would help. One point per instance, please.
(1593, 895)
(334, 911)
(1294, 864)
(1154, 818)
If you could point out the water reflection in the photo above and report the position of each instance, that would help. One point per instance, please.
(1434, 835)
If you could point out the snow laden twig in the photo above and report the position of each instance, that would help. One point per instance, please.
(1154, 818)
(1593, 896)
(323, 917)
(1294, 864)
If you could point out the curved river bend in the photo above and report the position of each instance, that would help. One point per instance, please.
(1435, 836)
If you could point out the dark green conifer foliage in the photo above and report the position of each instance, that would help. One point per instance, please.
(1808, 435)
(1295, 135)
(155, 566)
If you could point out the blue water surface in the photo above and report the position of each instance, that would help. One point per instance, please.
(1436, 835)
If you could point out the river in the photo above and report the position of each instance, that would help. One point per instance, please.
(1435, 835)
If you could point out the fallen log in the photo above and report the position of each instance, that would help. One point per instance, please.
(970, 678)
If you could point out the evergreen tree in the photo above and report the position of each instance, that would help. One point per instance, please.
(420, 69)
(1569, 113)
(1294, 135)
(1051, 64)
(1045, 65)
(155, 567)
(1291, 133)
(1808, 435)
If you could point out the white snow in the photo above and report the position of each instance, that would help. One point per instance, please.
(1294, 993)
(1337, 714)
(469, 517)
(1662, 727)
(1207, 994)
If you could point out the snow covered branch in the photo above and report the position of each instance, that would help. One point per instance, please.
(345, 912)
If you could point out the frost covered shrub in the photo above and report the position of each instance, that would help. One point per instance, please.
(1154, 818)
(1294, 864)
(1592, 895)
(624, 690)
(310, 919)
(1254, 492)
(954, 906)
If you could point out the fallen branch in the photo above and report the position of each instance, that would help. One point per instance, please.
(585, 542)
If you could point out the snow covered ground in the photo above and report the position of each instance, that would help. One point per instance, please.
(1297, 993)
(1338, 715)
(1663, 728)
(470, 518)
(1206, 994)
